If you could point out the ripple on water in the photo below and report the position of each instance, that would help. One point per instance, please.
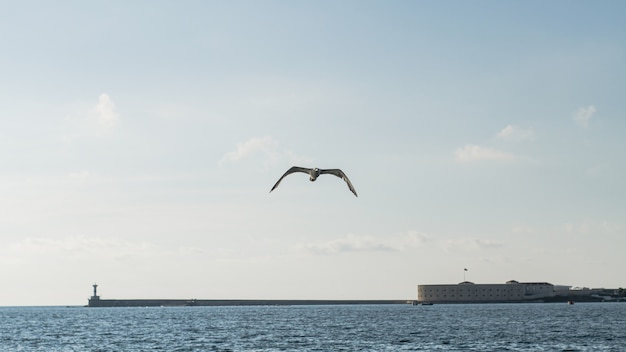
(514, 327)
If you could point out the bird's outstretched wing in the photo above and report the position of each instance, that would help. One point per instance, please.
(340, 174)
(291, 171)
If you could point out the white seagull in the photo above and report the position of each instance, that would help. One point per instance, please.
(314, 174)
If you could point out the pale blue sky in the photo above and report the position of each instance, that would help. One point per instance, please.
(139, 141)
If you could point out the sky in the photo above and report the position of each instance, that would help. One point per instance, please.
(139, 141)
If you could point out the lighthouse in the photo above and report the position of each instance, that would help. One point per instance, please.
(95, 299)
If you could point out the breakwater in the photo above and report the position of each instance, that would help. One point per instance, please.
(97, 302)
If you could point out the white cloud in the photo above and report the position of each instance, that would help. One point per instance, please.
(592, 226)
(516, 134)
(473, 152)
(350, 243)
(294, 159)
(354, 243)
(104, 112)
(86, 120)
(523, 229)
(470, 244)
(414, 239)
(583, 115)
(78, 175)
(82, 248)
(265, 148)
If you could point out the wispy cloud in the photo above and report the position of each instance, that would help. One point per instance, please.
(104, 112)
(350, 243)
(365, 243)
(592, 226)
(83, 247)
(78, 175)
(264, 148)
(523, 229)
(472, 152)
(87, 120)
(470, 244)
(583, 115)
(516, 134)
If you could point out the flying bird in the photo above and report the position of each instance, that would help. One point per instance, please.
(314, 174)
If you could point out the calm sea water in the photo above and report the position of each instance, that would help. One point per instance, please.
(480, 327)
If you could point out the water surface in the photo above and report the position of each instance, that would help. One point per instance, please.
(462, 327)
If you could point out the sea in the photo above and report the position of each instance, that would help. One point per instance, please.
(397, 327)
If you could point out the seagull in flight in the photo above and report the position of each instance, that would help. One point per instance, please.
(314, 174)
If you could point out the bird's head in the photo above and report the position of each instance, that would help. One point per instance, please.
(314, 174)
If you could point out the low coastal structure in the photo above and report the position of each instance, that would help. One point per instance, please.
(96, 301)
(509, 292)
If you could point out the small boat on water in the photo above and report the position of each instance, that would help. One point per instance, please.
(570, 302)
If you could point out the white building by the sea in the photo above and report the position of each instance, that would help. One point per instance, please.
(469, 292)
